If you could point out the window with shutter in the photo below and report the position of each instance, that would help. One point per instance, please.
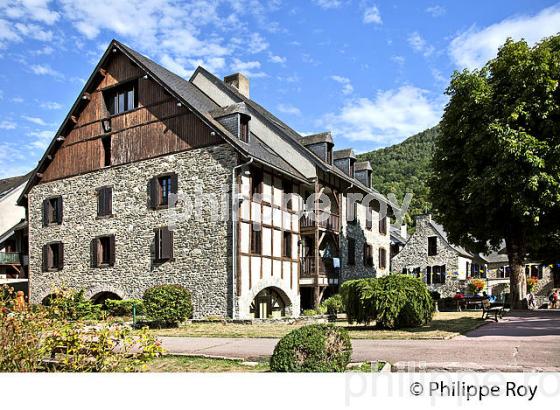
(382, 258)
(256, 239)
(287, 245)
(103, 251)
(52, 211)
(432, 246)
(161, 188)
(383, 226)
(351, 251)
(105, 201)
(163, 244)
(53, 256)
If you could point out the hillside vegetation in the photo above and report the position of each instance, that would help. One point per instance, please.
(405, 167)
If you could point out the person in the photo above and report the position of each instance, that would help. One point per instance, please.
(555, 299)
(531, 301)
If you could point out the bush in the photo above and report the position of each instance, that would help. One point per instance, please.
(333, 305)
(393, 301)
(167, 305)
(124, 307)
(69, 304)
(313, 348)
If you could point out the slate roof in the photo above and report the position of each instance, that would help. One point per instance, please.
(317, 138)
(344, 153)
(441, 231)
(7, 184)
(396, 236)
(363, 166)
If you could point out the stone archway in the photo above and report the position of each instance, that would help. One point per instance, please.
(269, 303)
(101, 297)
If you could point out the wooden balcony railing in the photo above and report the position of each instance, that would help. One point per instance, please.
(309, 270)
(322, 219)
(9, 258)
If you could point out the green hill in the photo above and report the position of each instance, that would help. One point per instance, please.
(405, 167)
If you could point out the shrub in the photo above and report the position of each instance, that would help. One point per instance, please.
(313, 348)
(392, 301)
(167, 305)
(124, 307)
(69, 304)
(476, 285)
(333, 305)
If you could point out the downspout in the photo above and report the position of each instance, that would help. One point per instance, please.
(235, 221)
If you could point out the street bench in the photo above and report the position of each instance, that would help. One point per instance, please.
(488, 309)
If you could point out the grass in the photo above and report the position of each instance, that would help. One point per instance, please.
(196, 364)
(443, 326)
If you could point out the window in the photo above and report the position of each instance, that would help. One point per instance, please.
(105, 201)
(369, 217)
(163, 244)
(256, 239)
(382, 258)
(244, 128)
(351, 168)
(103, 251)
(256, 181)
(161, 188)
(106, 143)
(352, 210)
(368, 255)
(351, 251)
(287, 245)
(329, 155)
(438, 275)
(288, 188)
(432, 246)
(121, 98)
(53, 256)
(383, 226)
(52, 211)
(534, 271)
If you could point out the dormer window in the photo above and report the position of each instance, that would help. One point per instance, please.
(121, 98)
(329, 155)
(244, 128)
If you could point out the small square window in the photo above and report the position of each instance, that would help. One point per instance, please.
(432, 246)
(287, 245)
(103, 251)
(53, 256)
(121, 98)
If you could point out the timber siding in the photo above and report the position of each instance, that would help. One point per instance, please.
(202, 256)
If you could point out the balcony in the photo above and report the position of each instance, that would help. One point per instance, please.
(322, 220)
(326, 268)
(10, 258)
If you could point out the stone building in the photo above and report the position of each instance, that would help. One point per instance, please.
(155, 179)
(447, 268)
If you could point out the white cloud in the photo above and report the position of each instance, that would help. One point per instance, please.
(34, 120)
(436, 10)
(37, 10)
(346, 84)
(473, 48)
(34, 31)
(372, 15)
(257, 43)
(389, 117)
(43, 69)
(8, 125)
(51, 105)
(12, 160)
(399, 60)
(328, 4)
(18, 100)
(288, 109)
(41, 139)
(247, 67)
(175, 66)
(7, 34)
(420, 45)
(276, 59)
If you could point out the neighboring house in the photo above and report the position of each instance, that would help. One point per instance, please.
(444, 266)
(154, 179)
(399, 236)
(13, 233)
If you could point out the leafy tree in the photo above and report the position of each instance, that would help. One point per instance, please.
(496, 165)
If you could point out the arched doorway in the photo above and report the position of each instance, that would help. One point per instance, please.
(268, 304)
(47, 300)
(101, 297)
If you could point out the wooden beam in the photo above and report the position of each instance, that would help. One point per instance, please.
(86, 96)
(103, 72)
(74, 119)
(39, 175)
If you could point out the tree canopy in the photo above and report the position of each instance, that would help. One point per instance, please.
(496, 165)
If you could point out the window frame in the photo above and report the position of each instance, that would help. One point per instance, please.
(351, 252)
(244, 131)
(102, 194)
(287, 243)
(53, 215)
(382, 256)
(113, 94)
(256, 238)
(48, 256)
(432, 247)
(161, 235)
(97, 251)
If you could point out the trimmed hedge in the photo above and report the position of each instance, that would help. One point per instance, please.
(313, 348)
(124, 307)
(393, 301)
(333, 305)
(167, 305)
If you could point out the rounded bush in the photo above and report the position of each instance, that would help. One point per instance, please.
(124, 307)
(333, 305)
(167, 305)
(393, 301)
(313, 348)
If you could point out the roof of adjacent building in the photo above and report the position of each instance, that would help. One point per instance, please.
(322, 137)
(441, 231)
(396, 236)
(363, 166)
(7, 184)
(344, 153)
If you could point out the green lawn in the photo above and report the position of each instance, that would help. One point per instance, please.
(444, 325)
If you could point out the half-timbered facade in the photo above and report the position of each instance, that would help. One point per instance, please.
(154, 179)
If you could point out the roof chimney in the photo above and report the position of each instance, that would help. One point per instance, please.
(239, 81)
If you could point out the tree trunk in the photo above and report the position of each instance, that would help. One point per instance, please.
(516, 250)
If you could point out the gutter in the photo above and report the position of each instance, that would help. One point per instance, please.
(235, 222)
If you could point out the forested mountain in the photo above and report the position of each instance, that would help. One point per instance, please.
(405, 167)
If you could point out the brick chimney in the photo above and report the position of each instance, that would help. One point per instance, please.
(238, 81)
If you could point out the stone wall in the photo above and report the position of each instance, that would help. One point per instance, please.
(202, 258)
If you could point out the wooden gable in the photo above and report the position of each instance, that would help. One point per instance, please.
(158, 126)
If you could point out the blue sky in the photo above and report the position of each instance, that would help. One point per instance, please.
(373, 72)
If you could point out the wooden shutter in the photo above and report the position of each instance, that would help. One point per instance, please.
(60, 246)
(50, 263)
(46, 212)
(108, 201)
(45, 260)
(153, 193)
(94, 253)
(105, 201)
(112, 250)
(59, 210)
(166, 243)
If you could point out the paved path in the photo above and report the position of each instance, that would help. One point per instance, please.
(529, 340)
